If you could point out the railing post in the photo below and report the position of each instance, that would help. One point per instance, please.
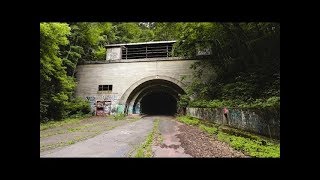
(146, 51)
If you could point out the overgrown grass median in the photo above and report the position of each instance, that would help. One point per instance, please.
(251, 144)
(51, 124)
(145, 149)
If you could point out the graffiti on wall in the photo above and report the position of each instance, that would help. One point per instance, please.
(137, 108)
(249, 120)
(108, 97)
(100, 108)
(120, 108)
(107, 107)
(235, 116)
(112, 99)
(103, 108)
(103, 104)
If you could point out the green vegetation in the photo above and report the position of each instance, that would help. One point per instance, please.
(145, 149)
(243, 70)
(189, 120)
(251, 144)
(51, 134)
(78, 107)
(71, 142)
(88, 134)
(65, 143)
(255, 148)
(272, 102)
(76, 129)
(210, 130)
(120, 116)
(57, 84)
(51, 124)
(134, 117)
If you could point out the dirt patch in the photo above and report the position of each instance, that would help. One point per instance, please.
(199, 144)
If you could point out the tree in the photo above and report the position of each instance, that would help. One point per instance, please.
(167, 31)
(55, 86)
(127, 32)
(245, 57)
(87, 41)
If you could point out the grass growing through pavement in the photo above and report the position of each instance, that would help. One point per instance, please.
(145, 149)
(84, 128)
(251, 144)
(119, 116)
(45, 147)
(51, 124)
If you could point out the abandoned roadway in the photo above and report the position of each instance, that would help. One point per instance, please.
(122, 141)
(117, 142)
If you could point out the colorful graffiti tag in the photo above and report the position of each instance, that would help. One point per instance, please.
(104, 104)
(107, 107)
(103, 108)
(137, 109)
(120, 108)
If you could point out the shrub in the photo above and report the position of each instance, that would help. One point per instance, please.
(78, 106)
(183, 101)
(119, 116)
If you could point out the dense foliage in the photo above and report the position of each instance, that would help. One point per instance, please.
(55, 86)
(272, 102)
(243, 68)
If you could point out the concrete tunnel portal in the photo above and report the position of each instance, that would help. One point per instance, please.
(154, 97)
(135, 78)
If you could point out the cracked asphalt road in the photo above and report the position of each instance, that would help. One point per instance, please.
(178, 140)
(171, 145)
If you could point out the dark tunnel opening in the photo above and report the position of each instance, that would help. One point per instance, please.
(159, 103)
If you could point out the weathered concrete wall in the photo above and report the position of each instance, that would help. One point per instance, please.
(265, 122)
(122, 76)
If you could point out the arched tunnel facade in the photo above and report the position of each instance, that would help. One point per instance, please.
(154, 97)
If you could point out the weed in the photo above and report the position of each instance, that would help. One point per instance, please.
(71, 142)
(51, 124)
(145, 149)
(254, 148)
(120, 116)
(210, 130)
(188, 120)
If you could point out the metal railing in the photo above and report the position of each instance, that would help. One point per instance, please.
(146, 51)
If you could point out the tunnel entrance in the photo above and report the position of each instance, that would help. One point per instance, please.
(159, 103)
(153, 97)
